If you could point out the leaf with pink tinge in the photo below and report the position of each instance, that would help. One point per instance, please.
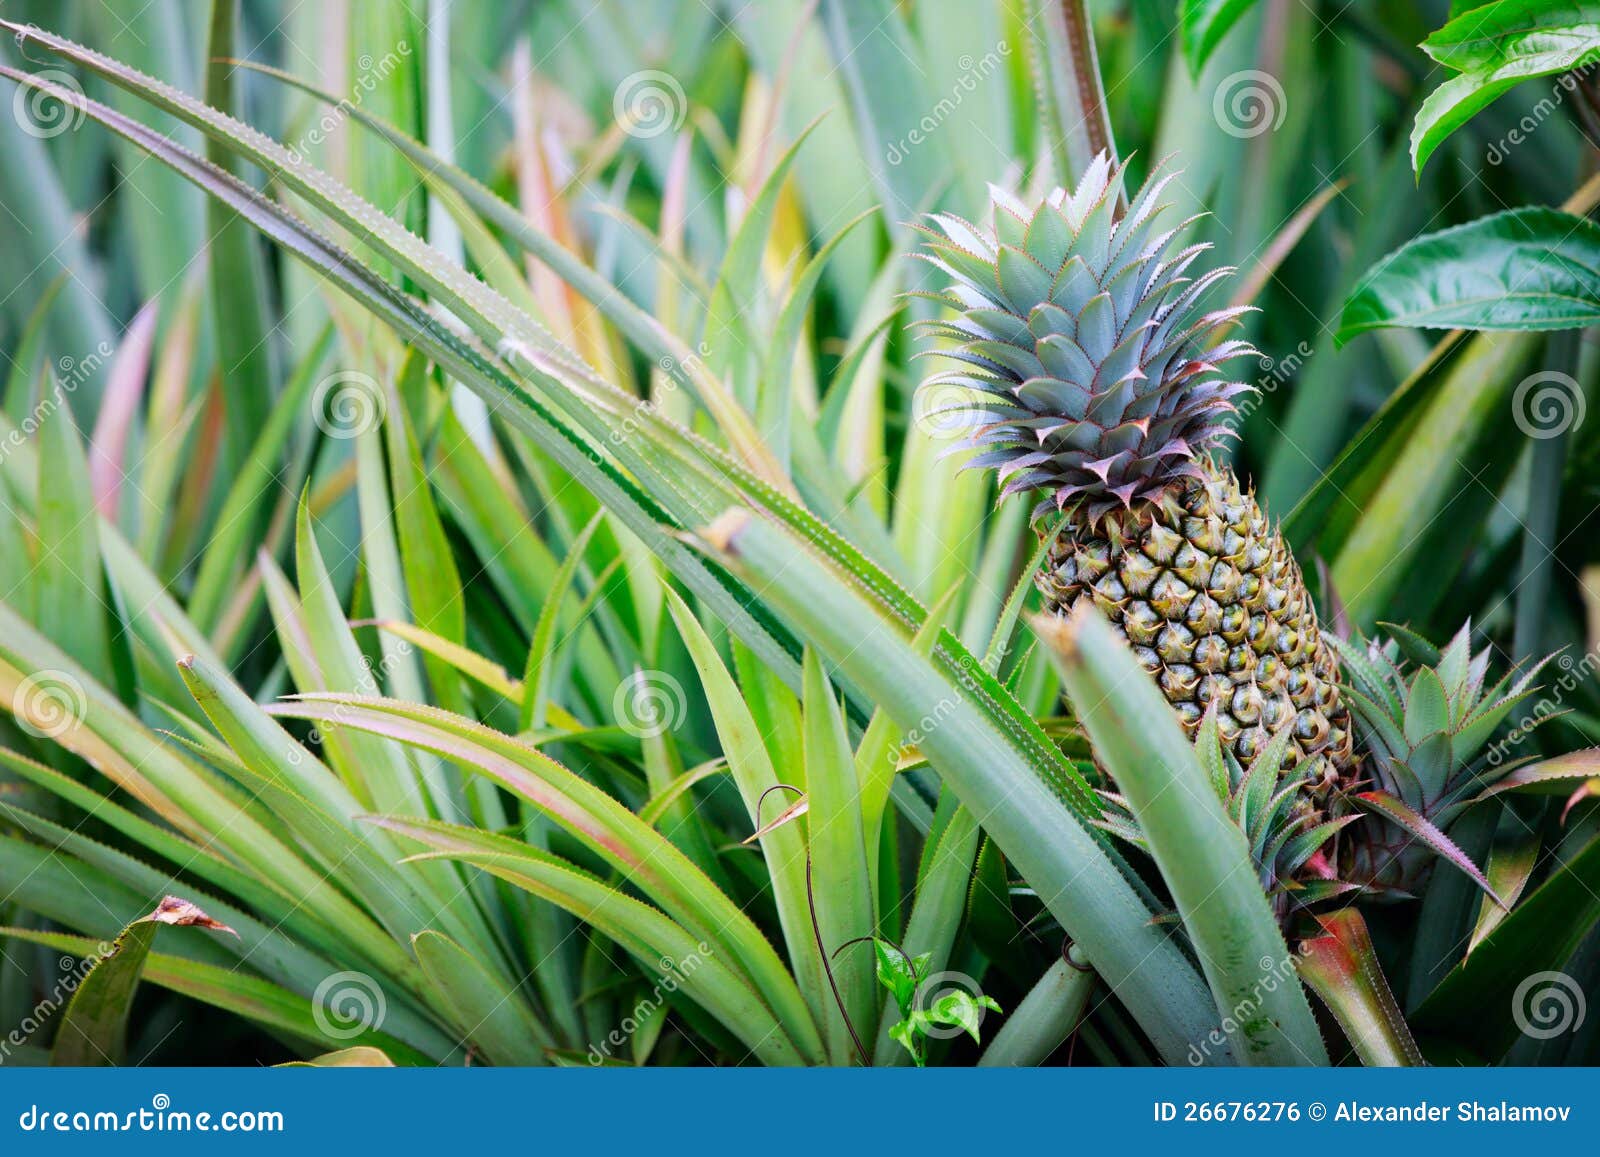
(1341, 967)
(1548, 773)
(1400, 813)
(125, 382)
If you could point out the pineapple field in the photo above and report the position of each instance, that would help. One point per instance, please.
(854, 533)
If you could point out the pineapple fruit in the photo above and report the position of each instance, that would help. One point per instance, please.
(1088, 371)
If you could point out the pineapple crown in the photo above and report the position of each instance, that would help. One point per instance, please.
(1085, 365)
(1425, 716)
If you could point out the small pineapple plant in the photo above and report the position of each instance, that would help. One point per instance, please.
(1425, 717)
(1082, 335)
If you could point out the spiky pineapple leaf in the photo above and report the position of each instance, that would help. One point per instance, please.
(1343, 969)
(1419, 827)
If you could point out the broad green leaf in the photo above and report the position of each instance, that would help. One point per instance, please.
(1203, 24)
(1494, 34)
(1525, 269)
(1495, 47)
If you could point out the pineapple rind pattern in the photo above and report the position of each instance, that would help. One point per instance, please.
(1215, 608)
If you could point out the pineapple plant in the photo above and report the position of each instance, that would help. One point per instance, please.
(1425, 717)
(587, 698)
(1089, 370)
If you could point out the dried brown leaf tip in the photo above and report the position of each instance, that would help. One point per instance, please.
(181, 913)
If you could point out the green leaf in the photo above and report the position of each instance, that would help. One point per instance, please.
(1203, 24)
(842, 876)
(895, 975)
(94, 1027)
(1200, 851)
(248, 348)
(492, 1016)
(1495, 47)
(959, 1009)
(1537, 33)
(1525, 269)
